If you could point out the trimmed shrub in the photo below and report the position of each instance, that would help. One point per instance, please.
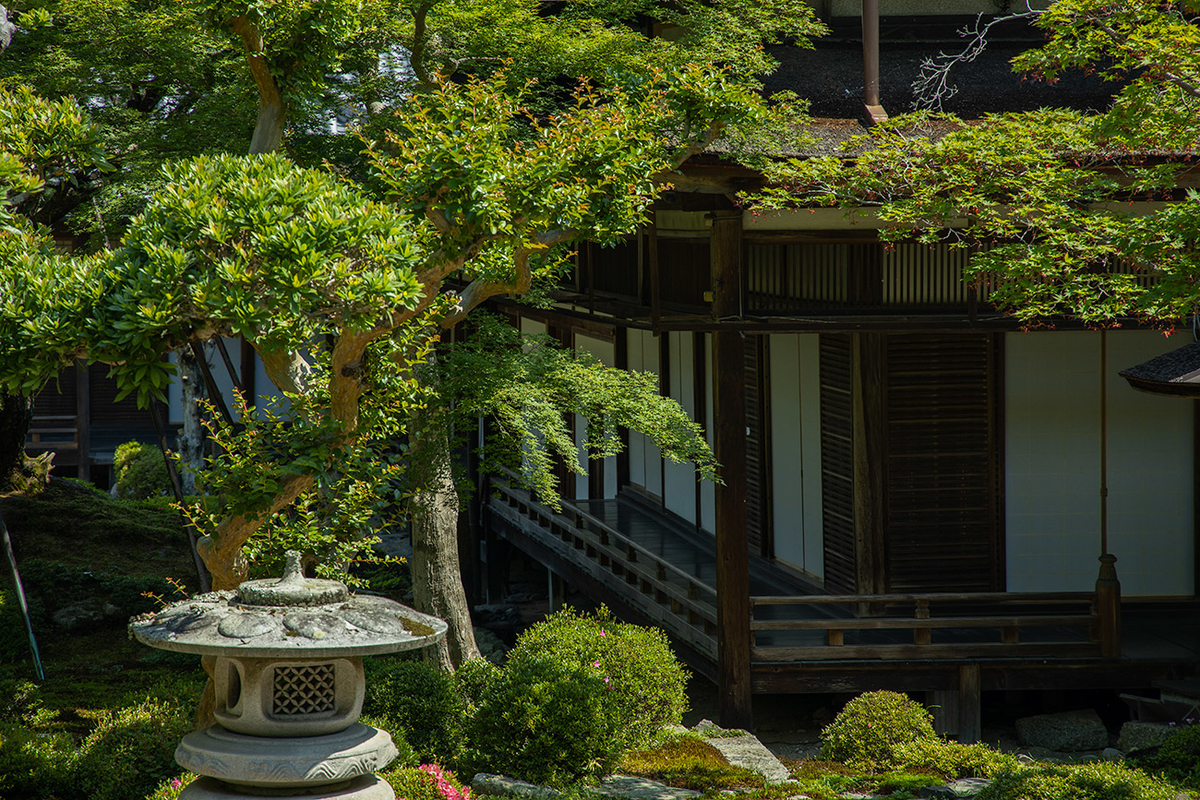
(546, 721)
(405, 756)
(1095, 781)
(132, 751)
(873, 728)
(33, 765)
(140, 471)
(646, 683)
(1178, 758)
(474, 678)
(421, 701)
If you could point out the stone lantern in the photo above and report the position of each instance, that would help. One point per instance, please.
(289, 685)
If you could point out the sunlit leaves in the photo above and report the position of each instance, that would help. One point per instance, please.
(528, 387)
(252, 247)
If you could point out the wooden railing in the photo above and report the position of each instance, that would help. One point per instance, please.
(50, 432)
(1093, 617)
(671, 598)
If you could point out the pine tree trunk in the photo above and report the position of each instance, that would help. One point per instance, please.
(436, 577)
(16, 415)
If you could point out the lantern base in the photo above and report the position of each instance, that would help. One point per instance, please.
(365, 787)
(285, 764)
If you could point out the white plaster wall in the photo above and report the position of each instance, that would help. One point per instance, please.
(1052, 467)
(1052, 460)
(796, 451)
(645, 460)
(265, 389)
(679, 485)
(708, 491)
(532, 326)
(810, 427)
(603, 351)
(787, 449)
(1151, 527)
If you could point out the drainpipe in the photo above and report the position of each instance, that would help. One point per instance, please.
(870, 32)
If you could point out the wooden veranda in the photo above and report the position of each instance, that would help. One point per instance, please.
(661, 571)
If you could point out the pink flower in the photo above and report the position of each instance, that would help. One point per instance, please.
(176, 783)
(595, 663)
(602, 633)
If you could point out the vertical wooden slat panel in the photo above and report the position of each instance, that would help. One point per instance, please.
(942, 468)
(837, 464)
(758, 501)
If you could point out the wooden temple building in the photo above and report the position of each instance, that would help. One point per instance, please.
(917, 495)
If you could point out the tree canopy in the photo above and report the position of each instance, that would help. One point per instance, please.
(1070, 213)
(496, 134)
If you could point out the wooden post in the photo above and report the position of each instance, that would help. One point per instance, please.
(969, 716)
(83, 419)
(922, 635)
(867, 406)
(729, 439)
(1108, 604)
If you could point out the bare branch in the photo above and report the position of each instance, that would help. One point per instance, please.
(932, 86)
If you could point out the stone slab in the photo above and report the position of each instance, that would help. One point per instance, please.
(748, 752)
(1067, 732)
(630, 787)
(1137, 736)
(502, 784)
(963, 788)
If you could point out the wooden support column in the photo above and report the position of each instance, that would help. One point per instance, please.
(83, 420)
(729, 439)
(868, 408)
(969, 696)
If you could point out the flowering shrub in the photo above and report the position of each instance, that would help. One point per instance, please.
(426, 782)
(647, 684)
(873, 729)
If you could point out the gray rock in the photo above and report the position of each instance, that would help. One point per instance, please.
(629, 787)
(1142, 736)
(1112, 754)
(749, 753)
(502, 784)
(961, 788)
(1069, 732)
(80, 614)
(490, 646)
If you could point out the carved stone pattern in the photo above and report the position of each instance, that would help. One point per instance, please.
(190, 759)
(306, 689)
(272, 771)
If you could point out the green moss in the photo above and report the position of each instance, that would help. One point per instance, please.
(1096, 781)
(688, 763)
(75, 524)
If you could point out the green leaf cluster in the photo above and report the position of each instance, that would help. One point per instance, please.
(528, 386)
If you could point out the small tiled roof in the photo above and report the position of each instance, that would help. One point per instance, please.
(1174, 373)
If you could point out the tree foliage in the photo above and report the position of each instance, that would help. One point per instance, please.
(1071, 214)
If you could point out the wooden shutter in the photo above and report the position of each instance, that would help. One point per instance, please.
(837, 465)
(942, 480)
(758, 503)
